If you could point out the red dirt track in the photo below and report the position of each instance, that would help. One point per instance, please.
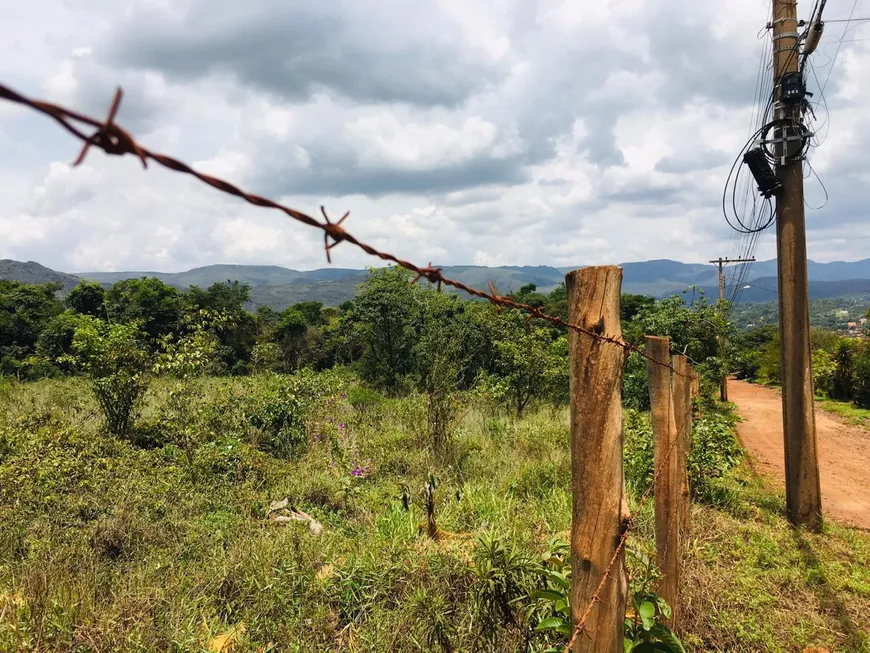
(844, 452)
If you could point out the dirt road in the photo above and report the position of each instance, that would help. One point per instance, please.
(844, 452)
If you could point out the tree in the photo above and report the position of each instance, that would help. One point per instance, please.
(87, 299)
(630, 305)
(523, 356)
(56, 338)
(385, 311)
(224, 296)
(237, 334)
(148, 301)
(311, 311)
(290, 336)
(24, 312)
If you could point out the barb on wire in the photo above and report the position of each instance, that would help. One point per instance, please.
(110, 138)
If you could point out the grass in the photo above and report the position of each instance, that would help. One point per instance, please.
(846, 410)
(108, 546)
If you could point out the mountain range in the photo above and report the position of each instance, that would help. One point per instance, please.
(280, 287)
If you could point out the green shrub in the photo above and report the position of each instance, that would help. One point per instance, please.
(715, 451)
(364, 400)
(284, 409)
(638, 450)
(843, 376)
(505, 576)
(824, 369)
(277, 413)
(117, 363)
(229, 461)
(635, 390)
(861, 377)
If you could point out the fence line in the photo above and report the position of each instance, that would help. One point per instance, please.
(114, 140)
(623, 540)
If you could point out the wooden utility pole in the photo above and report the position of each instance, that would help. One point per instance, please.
(803, 495)
(667, 473)
(722, 262)
(600, 514)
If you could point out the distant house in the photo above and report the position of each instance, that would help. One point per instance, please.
(852, 325)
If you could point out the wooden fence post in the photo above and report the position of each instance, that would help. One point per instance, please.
(667, 477)
(600, 510)
(682, 389)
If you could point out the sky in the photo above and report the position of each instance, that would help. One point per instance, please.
(493, 132)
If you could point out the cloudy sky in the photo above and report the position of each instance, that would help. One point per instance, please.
(491, 132)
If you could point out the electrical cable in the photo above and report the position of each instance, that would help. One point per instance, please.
(839, 45)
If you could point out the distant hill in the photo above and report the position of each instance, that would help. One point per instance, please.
(33, 272)
(279, 287)
(255, 275)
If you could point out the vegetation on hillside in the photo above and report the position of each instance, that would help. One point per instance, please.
(841, 366)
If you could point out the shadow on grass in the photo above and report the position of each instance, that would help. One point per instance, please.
(828, 597)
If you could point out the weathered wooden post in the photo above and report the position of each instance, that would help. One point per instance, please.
(682, 390)
(667, 476)
(600, 512)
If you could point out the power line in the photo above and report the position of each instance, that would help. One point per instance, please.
(839, 45)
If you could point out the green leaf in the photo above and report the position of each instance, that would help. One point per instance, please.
(651, 647)
(664, 607)
(647, 612)
(563, 607)
(627, 645)
(559, 579)
(666, 635)
(549, 595)
(553, 623)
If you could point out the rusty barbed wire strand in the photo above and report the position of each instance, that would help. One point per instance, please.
(114, 140)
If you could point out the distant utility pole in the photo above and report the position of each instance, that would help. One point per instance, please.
(803, 495)
(722, 262)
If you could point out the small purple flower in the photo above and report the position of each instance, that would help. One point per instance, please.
(344, 395)
(359, 471)
(341, 425)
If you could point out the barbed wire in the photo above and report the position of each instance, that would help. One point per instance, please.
(114, 140)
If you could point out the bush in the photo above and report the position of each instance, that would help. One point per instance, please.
(638, 450)
(282, 407)
(229, 461)
(277, 414)
(117, 363)
(861, 377)
(635, 390)
(844, 359)
(824, 369)
(715, 451)
(364, 400)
